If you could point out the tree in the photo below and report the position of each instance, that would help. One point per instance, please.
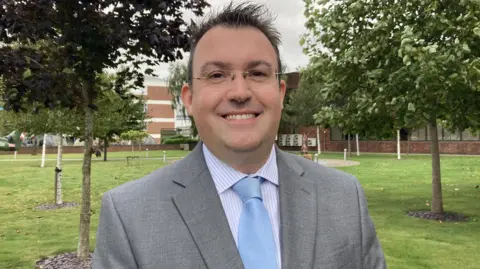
(59, 121)
(89, 37)
(3, 127)
(134, 137)
(177, 76)
(115, 115)
(303, 102)
(401, 62)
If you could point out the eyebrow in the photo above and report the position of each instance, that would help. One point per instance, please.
(225, 65)
(257, 63)
(220, 64)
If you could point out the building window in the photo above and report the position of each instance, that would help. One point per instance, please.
(145, 108)
(419, 134)
(469, 136)
(336, 134)
(448, 135)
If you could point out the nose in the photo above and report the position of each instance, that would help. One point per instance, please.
(240, 91)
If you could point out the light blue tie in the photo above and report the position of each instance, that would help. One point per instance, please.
(255, 236)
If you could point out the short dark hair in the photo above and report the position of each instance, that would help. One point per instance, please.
(237, 16)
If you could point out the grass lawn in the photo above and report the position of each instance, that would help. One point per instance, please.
(113, 155)
(392, 188)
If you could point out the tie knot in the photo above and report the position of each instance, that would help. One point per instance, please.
(248, 187)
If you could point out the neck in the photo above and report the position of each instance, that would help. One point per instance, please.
(249, 165)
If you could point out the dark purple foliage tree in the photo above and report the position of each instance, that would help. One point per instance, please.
(52, 52)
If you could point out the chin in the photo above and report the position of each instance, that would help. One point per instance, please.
(244, 146)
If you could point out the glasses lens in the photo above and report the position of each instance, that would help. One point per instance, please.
(259, 76)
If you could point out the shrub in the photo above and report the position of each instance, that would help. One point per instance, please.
(178, 139)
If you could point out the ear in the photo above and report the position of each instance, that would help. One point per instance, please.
(283, 90)
(186, 95)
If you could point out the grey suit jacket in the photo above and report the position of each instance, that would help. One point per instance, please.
(173, 218)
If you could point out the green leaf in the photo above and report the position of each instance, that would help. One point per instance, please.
(432, 48)
(149, 71)
(411, 107)
(476, 31)
(302, 41)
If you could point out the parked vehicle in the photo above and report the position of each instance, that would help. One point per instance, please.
(11, 142)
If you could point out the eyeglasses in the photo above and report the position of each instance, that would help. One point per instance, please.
(261, 76)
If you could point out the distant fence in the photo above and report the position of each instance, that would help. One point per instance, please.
(79, 149)
(445, 147)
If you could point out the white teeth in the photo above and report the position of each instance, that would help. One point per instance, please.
(240, 117)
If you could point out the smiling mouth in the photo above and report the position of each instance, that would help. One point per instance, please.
(241, 116)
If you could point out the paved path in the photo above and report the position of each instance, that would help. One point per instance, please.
(326, 162)
(337, 163)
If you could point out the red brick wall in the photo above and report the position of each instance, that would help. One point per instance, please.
(79, 149)
(446, 147)
(158, 93)
(155, 127)
(160, 111)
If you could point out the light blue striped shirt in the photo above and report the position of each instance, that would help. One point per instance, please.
(225, 177)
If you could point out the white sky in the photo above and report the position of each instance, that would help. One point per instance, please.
(289, 21)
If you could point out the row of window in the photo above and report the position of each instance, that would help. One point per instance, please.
(421, 134)
(178, 113)
(444, 134)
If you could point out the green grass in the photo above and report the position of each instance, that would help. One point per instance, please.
(392, 188)
(53, 157)
(395, 186)
(26, 234)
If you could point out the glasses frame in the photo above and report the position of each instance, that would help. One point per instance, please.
(232, 76)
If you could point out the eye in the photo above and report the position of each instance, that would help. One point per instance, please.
(216, 75)
(257, 73)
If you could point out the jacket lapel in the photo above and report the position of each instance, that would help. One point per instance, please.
(202, 211)
(298, 214)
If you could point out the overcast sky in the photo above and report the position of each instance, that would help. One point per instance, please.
(289, 21)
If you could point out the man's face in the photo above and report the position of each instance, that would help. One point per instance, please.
(239, 114)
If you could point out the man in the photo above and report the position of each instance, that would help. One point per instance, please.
(237, 201)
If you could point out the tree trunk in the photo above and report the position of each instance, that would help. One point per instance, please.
(105, 145)
(35, 146)
(58, 172)
(398, 145)
(43, 150)
(324, 141)
(319, 147)
(349, 146)
(358, 145)
(437, 200)
(408, 142)
(83, 249)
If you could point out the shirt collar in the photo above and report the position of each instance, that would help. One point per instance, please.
(225, 176)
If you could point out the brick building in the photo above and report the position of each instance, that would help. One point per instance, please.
(332, 140)
(413, 141)
(159, 109)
